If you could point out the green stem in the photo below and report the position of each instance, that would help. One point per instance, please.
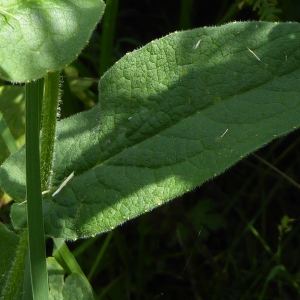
(231, 13)
(35, 220)
(100, 255)
(50, 102)
(14, 279)
(185, 21)
(108, 34)
(65, 258)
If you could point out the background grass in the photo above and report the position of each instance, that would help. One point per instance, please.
(235, 237)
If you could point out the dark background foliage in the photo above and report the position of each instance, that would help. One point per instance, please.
(235, 237)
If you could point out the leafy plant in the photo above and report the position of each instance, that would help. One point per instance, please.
(267, 9)
(171, 115)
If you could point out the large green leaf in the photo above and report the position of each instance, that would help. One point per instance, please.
(172, 115)
(39, 36)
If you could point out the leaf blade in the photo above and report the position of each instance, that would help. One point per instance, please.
(171, 117)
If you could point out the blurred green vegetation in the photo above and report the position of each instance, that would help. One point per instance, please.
(235, 237)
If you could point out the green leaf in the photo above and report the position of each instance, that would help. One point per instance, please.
(18, 215)
(74, 287)
(171, 116)
(41, 36)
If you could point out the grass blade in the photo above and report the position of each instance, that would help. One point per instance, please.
(36, 236)
(7, 136)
